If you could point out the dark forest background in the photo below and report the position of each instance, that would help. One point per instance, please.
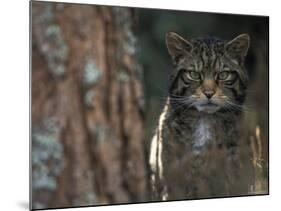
(99, 81)
(157, 63)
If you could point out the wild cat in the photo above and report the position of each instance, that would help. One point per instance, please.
(197, 150)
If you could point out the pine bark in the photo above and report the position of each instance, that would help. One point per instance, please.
(87, 107)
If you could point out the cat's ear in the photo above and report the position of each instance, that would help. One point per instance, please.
(177, 46)
(238, 47)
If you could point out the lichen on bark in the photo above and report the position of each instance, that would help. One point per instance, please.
(47, 159)
(50, 40)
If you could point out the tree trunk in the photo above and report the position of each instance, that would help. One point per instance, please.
(87, 107)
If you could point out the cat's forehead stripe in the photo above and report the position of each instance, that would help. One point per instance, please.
(208, 55)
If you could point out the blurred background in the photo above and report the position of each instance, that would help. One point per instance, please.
(157, 63)
(99, 81)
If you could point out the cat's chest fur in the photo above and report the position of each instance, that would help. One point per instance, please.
(202, 133)
(193, 143)
(198, 131)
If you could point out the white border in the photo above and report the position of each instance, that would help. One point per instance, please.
(14, 110)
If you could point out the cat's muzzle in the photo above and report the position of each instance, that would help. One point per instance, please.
(208, 107)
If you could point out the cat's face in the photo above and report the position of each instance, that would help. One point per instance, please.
(208, 74)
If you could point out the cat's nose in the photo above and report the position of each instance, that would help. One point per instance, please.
(209, 93)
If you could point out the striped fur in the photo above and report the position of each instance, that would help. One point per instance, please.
(198, 131)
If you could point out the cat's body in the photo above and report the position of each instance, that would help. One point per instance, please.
(196, 151)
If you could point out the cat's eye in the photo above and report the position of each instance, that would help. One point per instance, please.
(228, 77)
(225, 68)
(193, 75)
(224, 75)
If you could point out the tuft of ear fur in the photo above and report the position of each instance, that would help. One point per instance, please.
(238, 47)
(177, 46)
